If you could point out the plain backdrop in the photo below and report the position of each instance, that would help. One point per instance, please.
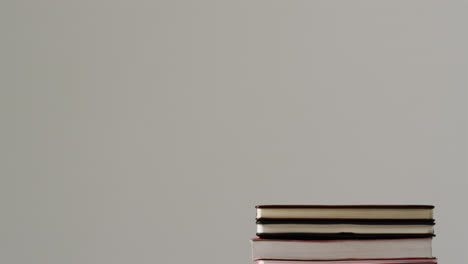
(147, 131)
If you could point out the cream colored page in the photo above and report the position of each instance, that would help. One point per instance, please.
(337, 228)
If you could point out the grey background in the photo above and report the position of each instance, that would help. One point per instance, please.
(146, 131)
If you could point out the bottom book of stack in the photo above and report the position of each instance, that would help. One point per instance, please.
(361, 261)
(282, 249)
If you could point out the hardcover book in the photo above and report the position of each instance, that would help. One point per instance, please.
(345, 211)
(344, 228)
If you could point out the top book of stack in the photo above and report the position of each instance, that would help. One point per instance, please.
(414, 212)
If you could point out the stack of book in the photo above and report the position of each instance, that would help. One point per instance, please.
(344, 234)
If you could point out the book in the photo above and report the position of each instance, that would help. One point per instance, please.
(355, 261)
(344, 228)
(345, 211)
(341, 249)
